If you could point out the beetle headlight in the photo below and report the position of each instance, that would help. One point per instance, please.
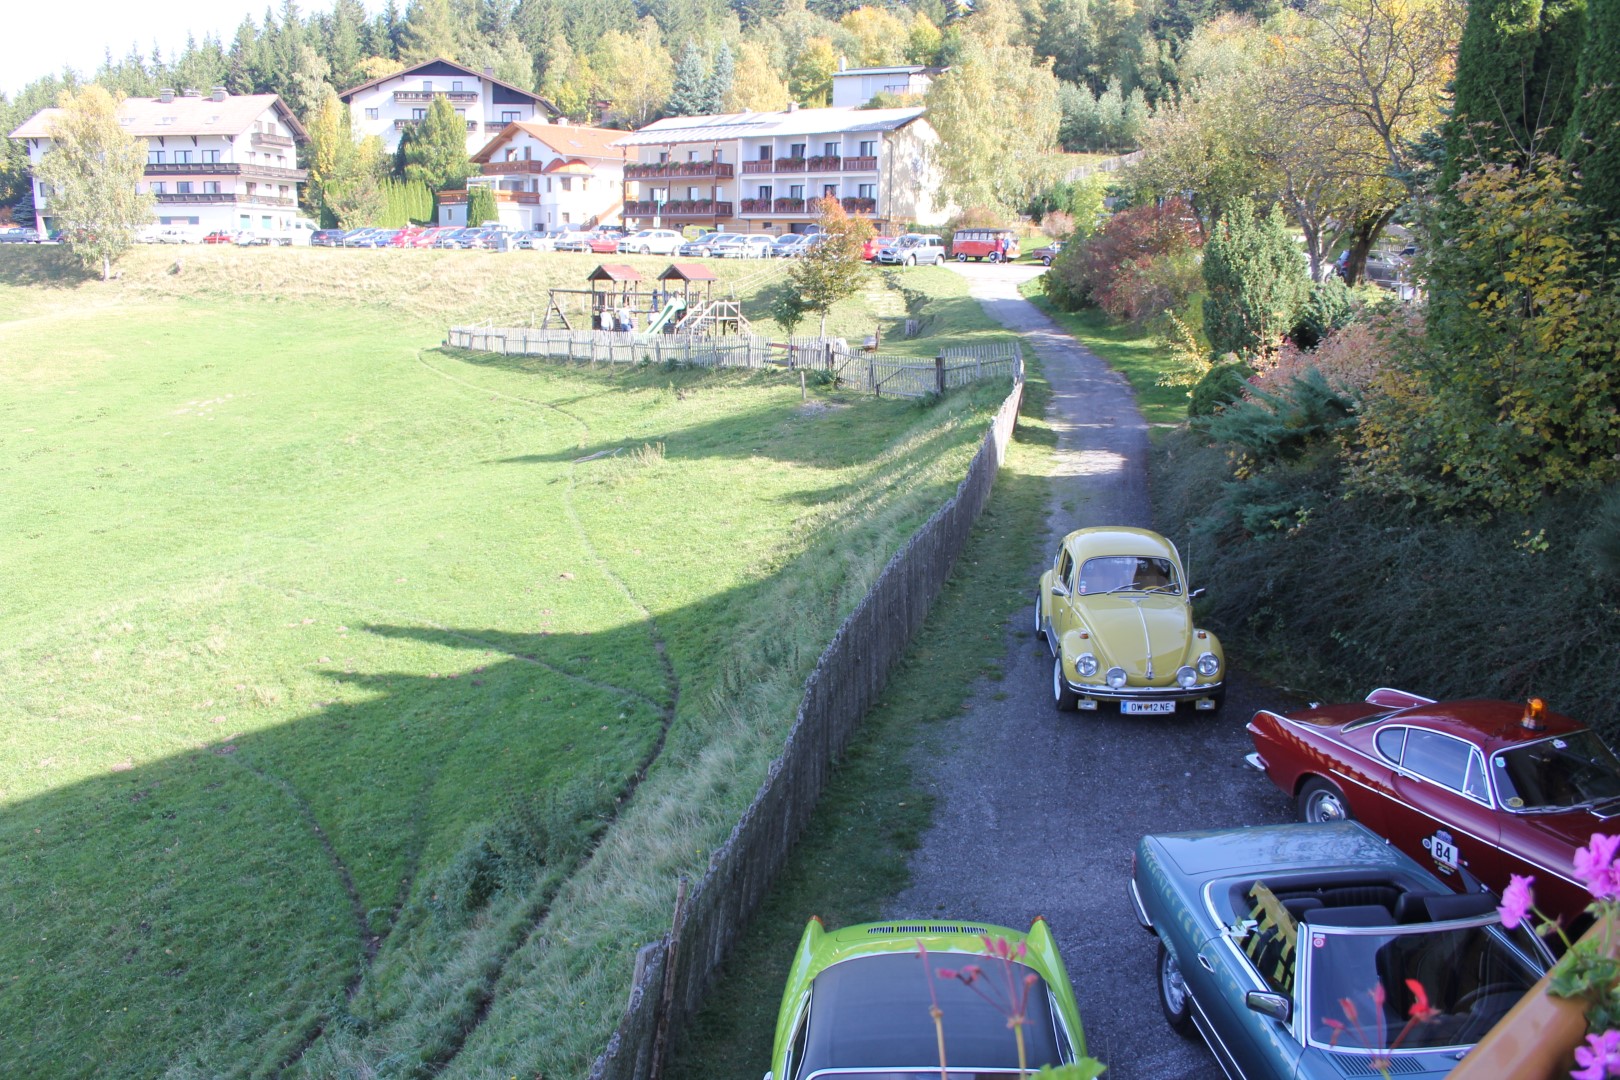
(1086, 666)
(1186, 677)
(1208, 665)
(1116, 677)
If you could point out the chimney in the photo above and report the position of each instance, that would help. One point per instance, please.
(561, 121)
(793, 106)
(843, 65)
(166, 95)
(218, 94)
(489, 73)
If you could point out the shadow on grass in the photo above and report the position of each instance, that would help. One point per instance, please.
(43, 266)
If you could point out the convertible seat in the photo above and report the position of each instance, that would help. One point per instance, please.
(1275, 938)
(1364, 915)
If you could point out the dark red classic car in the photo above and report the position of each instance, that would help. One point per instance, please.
(1493, 787)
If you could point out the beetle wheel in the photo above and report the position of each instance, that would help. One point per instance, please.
(1063, 698)
(1320, 802)
(1040, 625)
(1174, 997)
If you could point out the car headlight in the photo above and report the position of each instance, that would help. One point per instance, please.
(1208, 665)
(1186, 676)
(1116, 677)
(1086, 666)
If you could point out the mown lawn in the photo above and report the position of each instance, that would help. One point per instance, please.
(333, 663)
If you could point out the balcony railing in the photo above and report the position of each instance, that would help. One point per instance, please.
(429, 95)
(756, 206)
(679, 208)
(679, 170)
(511, 168)
(220, 198)
(401, 125)
(527, 198)
(261, 138)
(788, 206)
(226, 168)
(829, 163)
(860, 164)
(790, 164)
(858, 205)
(764, 166)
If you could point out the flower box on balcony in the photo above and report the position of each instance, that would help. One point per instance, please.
(826, 163)
(857, 205)
(789, 206)
(756, 206)
(790, 164)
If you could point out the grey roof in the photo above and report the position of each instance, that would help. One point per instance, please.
(748, 125)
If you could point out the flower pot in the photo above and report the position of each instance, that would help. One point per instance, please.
(1536, 1040)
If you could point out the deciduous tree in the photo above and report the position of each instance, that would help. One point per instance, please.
(833, 269)
(635, 72)
(91, 170)
(756, 86)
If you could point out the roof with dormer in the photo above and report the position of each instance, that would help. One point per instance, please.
(184, 114)
(440, 66)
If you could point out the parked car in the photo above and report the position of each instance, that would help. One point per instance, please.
(997, 245)
(1314, 952)
(221, 236)
(704, 246)
(247, 238)
(578, 241)
(534, 240)
(326, 238)
(181, 234)
(1492, 787)
(874, 245)
(1115, 610)
(605, 241)
(651, 242)
(913, 249)
(1046, 254)
(19, 236)
(857, 1003)
(744, 246)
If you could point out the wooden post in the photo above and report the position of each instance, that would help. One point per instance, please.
(655, 1068)
(802, 395)
(939, 372)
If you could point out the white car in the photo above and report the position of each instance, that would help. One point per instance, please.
(652, 242)
(752, 246)
(913, 249)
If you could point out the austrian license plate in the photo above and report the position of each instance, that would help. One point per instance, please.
(1147, 707)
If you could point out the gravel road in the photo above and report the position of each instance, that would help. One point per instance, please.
(1038, 812)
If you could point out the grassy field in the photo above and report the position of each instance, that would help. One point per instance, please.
(510, 289)
(359, 716)
(1135, 353)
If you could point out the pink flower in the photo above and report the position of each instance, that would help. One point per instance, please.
(1517, 901)
(1599, 1058)
(1594, 867)
(1421, 1009)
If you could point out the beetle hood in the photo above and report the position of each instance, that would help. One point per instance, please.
(1131, 631)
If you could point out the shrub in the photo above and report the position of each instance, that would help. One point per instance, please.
(1115, 268)
(1221, 385)
(1353, 357)
(1329, 305)
(1255, 283)
(1305, 414)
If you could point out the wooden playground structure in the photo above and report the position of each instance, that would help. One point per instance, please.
(680, 301)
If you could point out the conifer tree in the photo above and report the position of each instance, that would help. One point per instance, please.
(690, 96)
(1255, 280)
(1593, 140)
(718, 88)
(435, 151)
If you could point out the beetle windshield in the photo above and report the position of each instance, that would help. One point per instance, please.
(1360, 984)
(1571, 770)
(1129, 573)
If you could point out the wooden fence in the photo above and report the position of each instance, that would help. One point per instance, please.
(876, 373)
(673, 974)
(607, 347)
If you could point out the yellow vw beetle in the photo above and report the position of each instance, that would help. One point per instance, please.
(1116, 612)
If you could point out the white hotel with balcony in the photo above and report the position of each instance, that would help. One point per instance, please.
(764, 172)
(214, 162)
(386, 106)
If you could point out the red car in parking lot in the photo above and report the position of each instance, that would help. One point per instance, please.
(1491, 787)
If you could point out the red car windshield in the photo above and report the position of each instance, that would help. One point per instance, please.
(1561, 773)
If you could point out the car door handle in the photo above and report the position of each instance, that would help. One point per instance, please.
(1206, 963)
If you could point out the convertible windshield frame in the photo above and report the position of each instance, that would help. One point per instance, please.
(1509, 792)
(1320, 1001)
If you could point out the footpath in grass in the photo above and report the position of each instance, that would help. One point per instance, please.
(1135, 353)
(332, 660)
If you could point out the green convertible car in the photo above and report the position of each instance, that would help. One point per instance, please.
(860, 1001)
(1319, 952)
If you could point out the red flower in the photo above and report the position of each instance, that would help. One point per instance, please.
(1421, 1009)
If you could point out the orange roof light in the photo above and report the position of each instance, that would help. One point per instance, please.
(1534, 711)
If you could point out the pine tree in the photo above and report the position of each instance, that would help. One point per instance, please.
(481, 206)
(435, 151)
(690, 96)
(720, 79)
(1255, 280)
(429, 31)
(1514, 82)
(1593, 140)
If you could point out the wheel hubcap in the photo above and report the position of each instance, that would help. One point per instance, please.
(1325, 806)
(1170, 980)
(1057, 679)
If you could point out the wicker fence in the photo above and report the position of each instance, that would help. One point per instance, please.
(673, 974)
(876, 373)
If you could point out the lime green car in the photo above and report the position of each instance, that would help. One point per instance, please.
(859, 1001)
(1116, 612)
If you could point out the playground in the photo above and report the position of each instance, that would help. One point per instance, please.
(680, 300)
